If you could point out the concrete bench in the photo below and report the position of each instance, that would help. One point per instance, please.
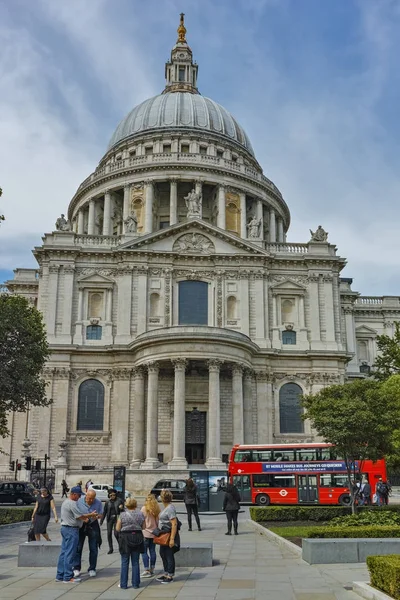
(45, 554)
(347, 550)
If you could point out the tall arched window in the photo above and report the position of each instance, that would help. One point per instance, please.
(193, 303)
(91, 405)
(290, 409)
(231, 304)
(154, 305)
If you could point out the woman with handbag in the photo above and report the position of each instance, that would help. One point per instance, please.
(129, 526)
(151, 510)
(168, 524)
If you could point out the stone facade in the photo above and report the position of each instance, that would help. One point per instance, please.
(144, 374)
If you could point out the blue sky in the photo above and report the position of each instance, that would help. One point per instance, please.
(315, 83)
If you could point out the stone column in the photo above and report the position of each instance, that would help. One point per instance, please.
(152, 461)
(351, 338)
(272, 226)
(281, 235)
(149, 196)
(67, 308)
(107, 213)
(243, 212)
(173, 201)
(214, 422)
(178, 458)
(138, 421)
(126, 205)
(91, 216)
(248, 407)
(262, 408)
(120, 416)
(141, 312)
(80, 221)
(237, 404)
(124, 305)
(50, 314)
(221, 221)
(260, 215)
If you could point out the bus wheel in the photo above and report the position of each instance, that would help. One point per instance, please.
(344, 500)
(263, 500)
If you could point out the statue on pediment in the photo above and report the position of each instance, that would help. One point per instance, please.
(253, 228)
(193, 203)
(131, 223)
(62, 224)
(320, 235)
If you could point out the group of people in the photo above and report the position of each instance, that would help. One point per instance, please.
(364, 494)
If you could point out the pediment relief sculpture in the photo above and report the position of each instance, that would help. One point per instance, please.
(194, 242)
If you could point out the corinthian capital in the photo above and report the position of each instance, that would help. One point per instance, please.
(179, 363)
(214, 365)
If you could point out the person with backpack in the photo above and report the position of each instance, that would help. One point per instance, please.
(191, 500)
(382, 492)
(231, 507)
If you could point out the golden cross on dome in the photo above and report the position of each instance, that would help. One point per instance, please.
(182, 30)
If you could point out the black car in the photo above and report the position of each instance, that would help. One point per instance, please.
(175, 486)
(17, 492)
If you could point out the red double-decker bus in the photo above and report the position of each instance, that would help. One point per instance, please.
(296, 474)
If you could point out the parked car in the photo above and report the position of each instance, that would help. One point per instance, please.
(175, 486)
(17, 492)
(102, 490)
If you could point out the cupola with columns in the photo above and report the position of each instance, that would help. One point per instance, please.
(181, 71)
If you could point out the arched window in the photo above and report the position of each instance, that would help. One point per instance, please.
(193, 303)
(93, 332)
(231, 307)
(290, 409)
(289, 337)
(154, 305)
(95, 305)
(91, 405)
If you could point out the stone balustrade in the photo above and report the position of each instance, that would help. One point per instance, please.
(98, 240)
(286, 248)
(369, 300)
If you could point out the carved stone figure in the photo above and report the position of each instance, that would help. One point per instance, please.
(62, 224)
(253, 227)
(131, 223)
(193, 203)
(320, 235)
(194, 242)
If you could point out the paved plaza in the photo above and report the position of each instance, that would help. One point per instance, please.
(245, 566)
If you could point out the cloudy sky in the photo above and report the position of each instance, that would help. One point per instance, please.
(315, 83)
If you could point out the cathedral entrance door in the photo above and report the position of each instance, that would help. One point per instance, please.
(195, 437)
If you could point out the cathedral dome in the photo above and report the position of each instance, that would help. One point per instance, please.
(184, 110)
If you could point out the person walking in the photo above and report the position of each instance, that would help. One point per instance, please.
(112, 508)
(90, 530)
(41, 514)
(151, 510)
(191, 500)
(129, 525)
(65, 488)
(231, 507)
(88, 484)
(168, 521)
(71, 521)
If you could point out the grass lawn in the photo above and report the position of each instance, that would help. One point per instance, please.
(293, 531)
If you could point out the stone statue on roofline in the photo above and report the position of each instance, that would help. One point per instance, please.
(131, 223)
(62, 224)
(193, 203)
(253, 228)
(320, 235)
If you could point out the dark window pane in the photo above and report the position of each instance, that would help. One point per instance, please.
(290, 410)
(193, 303)
(289, 337)
(93, 332)
(91, 405)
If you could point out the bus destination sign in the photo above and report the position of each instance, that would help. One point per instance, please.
(334, 466)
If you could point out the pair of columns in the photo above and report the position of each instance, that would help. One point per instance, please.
(213, 455)
(107, 220)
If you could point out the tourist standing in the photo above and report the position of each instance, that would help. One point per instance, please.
(71, 521)
(167, 521)
(191, 500)
(90, 530)
(231, 507)
(65, 488)
(150, 510)
(112, 508)
(41, 514)
(129, 526)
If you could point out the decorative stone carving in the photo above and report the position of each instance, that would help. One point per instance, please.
(122, 373)
(320, 235)
(167, 299)
(193, 204)
(62, 224)
(253, 228)
(62, 452)
(214, 364)
(131, 223)
(194, 243)
(179, 363)
(26, 444)
(219, 299)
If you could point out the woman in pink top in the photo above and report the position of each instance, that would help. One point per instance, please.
(151, 510)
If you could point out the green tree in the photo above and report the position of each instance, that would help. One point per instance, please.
(359, 418)
(388, 361)
(23, 353)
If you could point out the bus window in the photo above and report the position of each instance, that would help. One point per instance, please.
(277, 481)
(306, 454)
(325, 453)
(284, 455)
(262, 455)
(263, 480)
(333, 480)
(243, 456)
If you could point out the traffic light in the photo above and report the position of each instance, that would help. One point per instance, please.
(18, 466)
(28, 463)
(12, 465)
(38, 465)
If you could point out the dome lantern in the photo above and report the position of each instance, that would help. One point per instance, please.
(181, 71)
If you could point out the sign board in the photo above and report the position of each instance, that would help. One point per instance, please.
(328, 466)
(119, 481)
(201, 480)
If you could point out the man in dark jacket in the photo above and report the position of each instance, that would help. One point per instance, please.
(191, 502)
(112, 508)
(231, 507)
